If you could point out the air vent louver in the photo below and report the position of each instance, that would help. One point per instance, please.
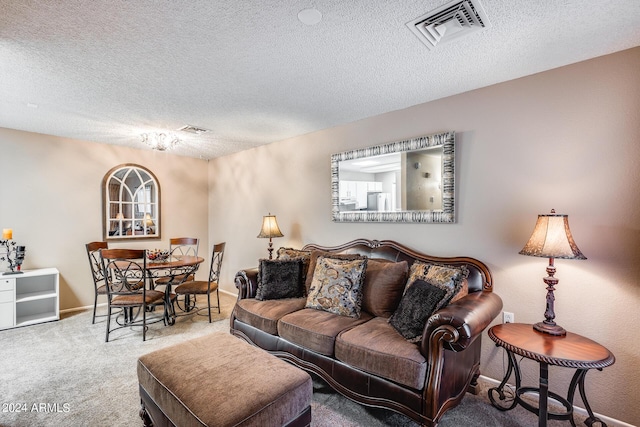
(449, 22)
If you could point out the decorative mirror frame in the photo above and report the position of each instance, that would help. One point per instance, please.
(444, 215)
(106, 202)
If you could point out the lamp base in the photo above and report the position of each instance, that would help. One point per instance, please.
(549, 328)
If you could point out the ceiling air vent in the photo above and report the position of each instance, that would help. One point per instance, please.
(193, 129)
(453, 20)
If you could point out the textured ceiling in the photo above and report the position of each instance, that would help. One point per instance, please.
(252, 73)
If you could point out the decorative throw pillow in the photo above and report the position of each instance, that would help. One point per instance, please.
(384, 282)
(290, 253)
(279, 279)
(336, 286)
(316, 254)
(447, 277)
(418, 303)
(463, 292)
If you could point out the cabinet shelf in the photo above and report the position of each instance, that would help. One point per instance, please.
(36, 318)
(32, 296)
(29, 298)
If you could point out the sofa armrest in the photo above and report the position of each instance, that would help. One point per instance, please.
(460, 323)
(247, 283)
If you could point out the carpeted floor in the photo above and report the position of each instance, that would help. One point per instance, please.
(64, 374)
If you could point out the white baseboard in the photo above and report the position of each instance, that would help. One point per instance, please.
(578, 410)
(90, 307)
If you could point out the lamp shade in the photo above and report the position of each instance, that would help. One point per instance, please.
(148, 222)
(270, 227)
(551, 238)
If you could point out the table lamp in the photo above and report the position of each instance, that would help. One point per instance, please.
(551, 238)
(269, 230)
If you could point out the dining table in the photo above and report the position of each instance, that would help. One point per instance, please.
(175, 266)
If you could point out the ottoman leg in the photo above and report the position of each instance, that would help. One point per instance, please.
(146, 419)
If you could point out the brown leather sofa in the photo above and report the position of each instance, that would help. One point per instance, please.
(365, 359)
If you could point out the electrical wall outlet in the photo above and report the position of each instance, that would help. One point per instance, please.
(508, 317)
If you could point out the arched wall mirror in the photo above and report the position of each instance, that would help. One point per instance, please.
(131, 203)
(404, 181)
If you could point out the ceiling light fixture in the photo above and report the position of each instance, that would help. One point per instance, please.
(310, 16)
(160, 141)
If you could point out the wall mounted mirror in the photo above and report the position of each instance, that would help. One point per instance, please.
(404, 181)
(131, 203)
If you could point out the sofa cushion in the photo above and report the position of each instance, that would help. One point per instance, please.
(264, 315)
(315, 254)
(384, 282)
(449, 278)
(337, 286)
(279, 279)
(376, 347)
(291, 253)
(418, 303)
(316, 330)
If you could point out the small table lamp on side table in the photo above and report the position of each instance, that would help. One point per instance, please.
(270, 230)
(551, 238)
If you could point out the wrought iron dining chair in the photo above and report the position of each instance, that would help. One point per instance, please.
(180, 246)
(93, 252)
(125, 272)
(202, 287)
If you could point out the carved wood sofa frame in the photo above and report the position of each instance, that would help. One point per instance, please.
(451, 341)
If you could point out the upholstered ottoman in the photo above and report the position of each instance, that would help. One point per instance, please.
(220, 380)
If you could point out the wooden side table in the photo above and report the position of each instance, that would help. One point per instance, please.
(570, 351)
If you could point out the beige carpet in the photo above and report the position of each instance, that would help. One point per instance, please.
(64, 374)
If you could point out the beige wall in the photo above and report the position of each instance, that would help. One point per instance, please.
(50, 195)
(567, 139)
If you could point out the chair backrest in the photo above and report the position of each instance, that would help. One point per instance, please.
(125, 270)
(185, 246)
(216, 262)
(93, 252)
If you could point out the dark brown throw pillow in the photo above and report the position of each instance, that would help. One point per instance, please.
(314, 258)
(279, 279)
(418, 303)
(384, 283)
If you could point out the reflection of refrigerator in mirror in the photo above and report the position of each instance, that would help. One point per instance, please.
(378, 201)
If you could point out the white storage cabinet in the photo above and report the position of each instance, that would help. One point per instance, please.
(29, 298)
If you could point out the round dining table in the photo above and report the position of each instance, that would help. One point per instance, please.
(176, 266)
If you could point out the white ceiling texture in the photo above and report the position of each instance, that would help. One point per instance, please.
(252, 73)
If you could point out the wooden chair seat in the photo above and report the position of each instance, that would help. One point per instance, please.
(151, 297)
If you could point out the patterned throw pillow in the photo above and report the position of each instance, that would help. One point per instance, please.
(291, 253)
(336, 286)
(418, 303)
(279, 279)
(315, 254)
(446, 277)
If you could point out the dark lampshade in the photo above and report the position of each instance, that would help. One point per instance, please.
(551, 239)
(269, 230)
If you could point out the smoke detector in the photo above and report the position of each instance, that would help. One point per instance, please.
(193, 129)
(451, 21)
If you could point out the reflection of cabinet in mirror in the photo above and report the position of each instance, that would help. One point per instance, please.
(131, 203)
(404, 181)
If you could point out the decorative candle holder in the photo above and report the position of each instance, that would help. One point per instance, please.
(16, 262)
